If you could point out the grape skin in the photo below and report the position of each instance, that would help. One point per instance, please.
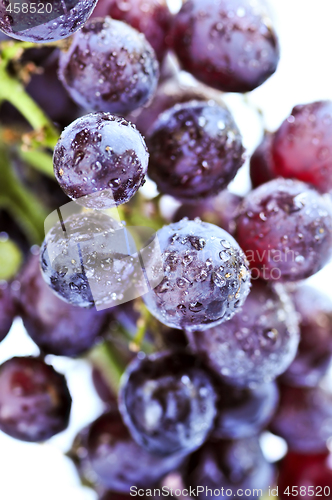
(109, 67)
(227, 44)
(167, 402)
(34, 401)
(84, 258)
(106, 452)
(7, 311)
(206, 276)
(257, 344)
(100, 160)
(55, 326)
(57, 28)
(231, 465)
(151, 17)
(285, 229)
(195, 150)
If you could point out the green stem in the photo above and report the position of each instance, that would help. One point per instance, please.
(20, 202)
(39, 160)
(106, 359)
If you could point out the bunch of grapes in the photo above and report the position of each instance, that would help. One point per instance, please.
(199, 332)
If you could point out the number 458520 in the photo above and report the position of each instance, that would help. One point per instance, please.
(29, 8)
(309, 491)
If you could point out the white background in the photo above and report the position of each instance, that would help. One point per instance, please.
(40, 472)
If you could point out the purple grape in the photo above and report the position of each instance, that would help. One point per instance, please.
(301, 147)
(173, 91)
(315, 349)
(167, 402)
(55, 326)
(195, 150)
(107, 453)
(221, 211)
(227, 44)
(100, 160)
(230, 465)
(151, 17)
(304, 418)
(109, 67)
(90, 254)
(261, 162)
(243, 413)
(34, 400)
(45, 21)
(206, 277)
(257, 344)
(285, 229)
(7, 310)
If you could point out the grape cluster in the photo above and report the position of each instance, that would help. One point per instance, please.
(198, 332)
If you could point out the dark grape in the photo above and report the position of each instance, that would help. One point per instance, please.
(301, 471)
(45, 21)
(227, 44)
(257, 344)
(195, 150)
(261, 162)
(302, 146)
(87, 263)
(34, 400)
(55, 326)
(304, 418)
(244, 413)
(7, 310)
(48, 92)
(107, 453)
(285, 229)
(100, 160)
(315, 349)
(169, 93)
(167, 402)
(221, 210)
(206, 276)
(229, 465)
(109, 67)
(151, 17)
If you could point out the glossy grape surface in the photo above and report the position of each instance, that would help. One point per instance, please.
(302, 146)
(257, 344)
(227, 44)
(100, 157)
(195, 150)
(261, 162)
(109, 67)
(304, 418)
(55, 326)
(315, 349)
(45, 20)
(232, 465)
(151, 17)
(34, 401)
(167, 402)
(107, 452)
(206, 276)
(285, 230)
(91, 257)
(7, 311)
(243, 413)
(221, 211)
